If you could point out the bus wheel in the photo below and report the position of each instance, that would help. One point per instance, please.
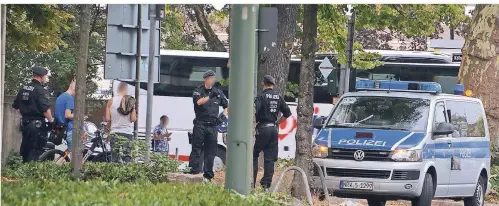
(219, 161)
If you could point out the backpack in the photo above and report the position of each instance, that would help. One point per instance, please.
(127, 104)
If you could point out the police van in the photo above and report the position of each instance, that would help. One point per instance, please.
(404, 140)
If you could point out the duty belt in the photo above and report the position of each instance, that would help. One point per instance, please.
(205, 123)
(266, 124)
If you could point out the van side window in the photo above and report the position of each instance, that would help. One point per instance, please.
(467, 118)
(440, 116)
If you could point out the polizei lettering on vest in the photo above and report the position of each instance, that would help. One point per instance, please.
(362, 142)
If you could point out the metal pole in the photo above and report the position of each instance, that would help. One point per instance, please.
(351, 26)
(3, 19)
(341, 85)
(255, 76)
(242, 57)
(137, 70)
(150, 80)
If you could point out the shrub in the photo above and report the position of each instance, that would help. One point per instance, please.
(494, 178)
(60, 192)
(156, 172)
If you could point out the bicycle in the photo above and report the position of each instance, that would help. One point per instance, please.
(95, 147)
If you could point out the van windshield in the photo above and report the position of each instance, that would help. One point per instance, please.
(389, 113)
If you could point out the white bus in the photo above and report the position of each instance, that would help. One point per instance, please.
(181, 72)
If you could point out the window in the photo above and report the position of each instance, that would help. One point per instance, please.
(467, 118)
(180, 75)
(389, 113)
(321, 94)
(440, 114)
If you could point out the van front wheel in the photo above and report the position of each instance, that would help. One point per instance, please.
(426, 194)
(478, 198)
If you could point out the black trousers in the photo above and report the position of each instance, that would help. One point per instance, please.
(34, 139)
(266, 141)
(204, 143)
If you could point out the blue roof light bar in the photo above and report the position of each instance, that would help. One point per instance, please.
(409, 86)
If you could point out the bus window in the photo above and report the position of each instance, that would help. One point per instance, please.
(181, 75)
(384, 72)
(321, 95)
(409, 72)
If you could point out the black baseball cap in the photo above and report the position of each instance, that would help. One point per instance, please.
(208, 73)
(267, 79)
(39, 71)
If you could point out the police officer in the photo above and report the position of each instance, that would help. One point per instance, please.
(32, 102)
(207, 101)
(267, 106)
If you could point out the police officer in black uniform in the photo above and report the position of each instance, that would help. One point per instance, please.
(207, 101)
(267, 106)
(32, 102)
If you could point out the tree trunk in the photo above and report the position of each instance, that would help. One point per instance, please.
(209, 35)
(305, 109)
(80, 93)
(277, 64)
(479, 70)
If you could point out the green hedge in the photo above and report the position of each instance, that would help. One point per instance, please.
(93, 171)
(59, 192)
(494, 179)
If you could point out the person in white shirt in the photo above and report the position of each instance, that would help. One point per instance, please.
(121, 125)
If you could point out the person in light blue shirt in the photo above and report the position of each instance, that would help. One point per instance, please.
(64, 107)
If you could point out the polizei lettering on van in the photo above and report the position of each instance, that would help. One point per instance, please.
(362, 142)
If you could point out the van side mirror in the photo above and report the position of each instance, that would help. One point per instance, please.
(444, 128)
(319, 122)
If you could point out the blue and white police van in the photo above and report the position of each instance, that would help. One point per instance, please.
(404, 140)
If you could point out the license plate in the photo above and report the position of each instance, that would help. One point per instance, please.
(356, 185)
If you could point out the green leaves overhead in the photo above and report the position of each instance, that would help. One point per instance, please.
(175, 31)
(49, 37)
(36, 27)
(409, 20)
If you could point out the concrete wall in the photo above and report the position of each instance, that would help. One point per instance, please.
(11, 136)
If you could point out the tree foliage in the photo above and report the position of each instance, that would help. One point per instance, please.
(36, 27)
(61, 60)
(414, 21)
(177, 30)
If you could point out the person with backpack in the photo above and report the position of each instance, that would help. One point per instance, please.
(120, 114)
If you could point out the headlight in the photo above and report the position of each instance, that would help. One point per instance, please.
(320, 151)
(407, 155)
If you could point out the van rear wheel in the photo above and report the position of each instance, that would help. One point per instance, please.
(427, 194)
(478, 197)
(376, 202)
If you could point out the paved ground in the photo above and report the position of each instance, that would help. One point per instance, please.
(351, 202)
(286, 185)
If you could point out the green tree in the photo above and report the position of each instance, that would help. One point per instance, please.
(62, 59)
(415, 21)
(177, 30)
(84, 14)
(305, 109)
(36, 27)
